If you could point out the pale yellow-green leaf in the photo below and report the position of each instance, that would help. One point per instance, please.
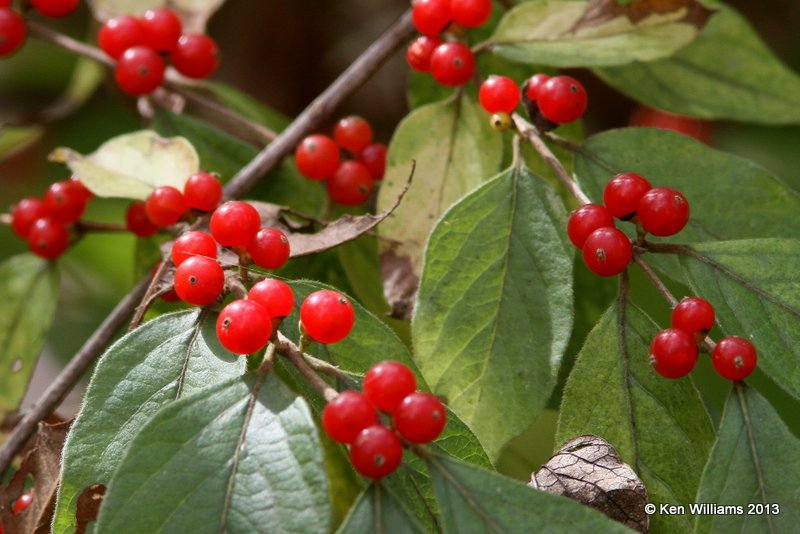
(14, 138)
(193, 13)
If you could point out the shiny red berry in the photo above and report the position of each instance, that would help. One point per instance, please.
(352, 133)
(499, 94)
(562, 99)
(663, 211)
(139, 70)
(48, 238)
(419, 52)
(54, 8)
(431, 17)
(585, 220)
(162, 28)
(607, 251)
(623, 193)
(23, 502)
(351, 184)
(533, 85)
(327, 316)
(673, 353)
(202, 191)
(13, 31)
(275, 296)
(26, 212)
(471, 13)
(65, 201)
(387, 383)
(235, 224)
(693, 314)
(317, 157)
(269, 249)
(734, 358)
(137, 221)
(199, 280)
(420, 417)
(347, 415)
(196, 55)
(243, 327)
(374, 157)
(165, 205)
(452, 64)
(119, 34)
(195, 243)
(87, 194)
(376, 452)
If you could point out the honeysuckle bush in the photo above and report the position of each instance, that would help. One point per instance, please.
(464, 274)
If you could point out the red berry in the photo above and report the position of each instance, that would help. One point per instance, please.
(26, 212)
(499, 94)
(87, 195)
(54, 8)
(471, 13)
(275, 296)
(162, 28)
(663, 211)
(48, 238)
(431, 17)
(195, 243)
(351, 184)
(196, 55)
(327, 316)
(420, 417)
(243, 327)
(692, 315)
(23, 502)
(317, 157)
(607, 251)
(347, 415)
(533, 85)
(452, 64)
(65, 201)
(376, 452)
(137, 221)
(623, 193)
(734, 358)
(235, 224)
(656, 118)
(420, 51)
(562, 99)
(12, 31)
(673, 353)
(199, 280)
(139, 70)
(202, 191)
(352, 133)
(374, 157)
(165, 205)
(387, 383)
(269, 248)
(119, 34)
(585, 220)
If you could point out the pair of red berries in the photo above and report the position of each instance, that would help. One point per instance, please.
(13, 31)
(349, 181)
(352, 418)
(673, 352)
(44, 222)
(137, 44)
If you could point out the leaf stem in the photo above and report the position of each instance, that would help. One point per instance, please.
(651, 274)
(297, 358)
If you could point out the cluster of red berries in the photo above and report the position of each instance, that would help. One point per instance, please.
(13, 31)
(450, 63)
(349, 181)
(376, 450)
(21, 504)
(661, 211)
(139, 45)
(673, 352)
(45, 222)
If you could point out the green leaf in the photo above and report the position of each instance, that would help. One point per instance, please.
(29, 293)
(475, 500)
(660, 427)
(489, 335)
(726, 73)
(753, 287)
(595, 33)
(378, 510)
(149, 368)
(755, 459)
(241, 456)
(455, 149)
(15, 138)
(132, 165)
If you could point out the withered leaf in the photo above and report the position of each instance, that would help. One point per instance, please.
(600, 11)
(400, 284)
(89, 502)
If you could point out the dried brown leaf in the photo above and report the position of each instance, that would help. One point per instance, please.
(400, 284)
(600, 11)
(89, 502)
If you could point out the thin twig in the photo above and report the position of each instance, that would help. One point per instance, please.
(44, 33)
(95, 226)
(289, 350)
(563, 142)
(656, 280)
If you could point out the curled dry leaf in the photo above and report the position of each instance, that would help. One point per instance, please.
(589, 470)
(601, 11)
(400, 284)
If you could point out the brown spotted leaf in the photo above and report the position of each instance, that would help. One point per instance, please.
(89, 502)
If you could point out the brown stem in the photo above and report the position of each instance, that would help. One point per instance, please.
(94, 226)
(563, 142)
(44, 33)
(651, 274)
(288, 349)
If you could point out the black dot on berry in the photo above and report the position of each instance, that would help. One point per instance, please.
(362, 189)
(458, 63)
(226, 323)
(379, 459)
(193, 280)
(601, 254)
(738, 362)
(343, 301)
(573, 88)
(143, 71)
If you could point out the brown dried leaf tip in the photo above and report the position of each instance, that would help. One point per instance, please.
(589, 470)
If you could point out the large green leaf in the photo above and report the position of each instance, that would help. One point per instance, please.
(378, 510)
(659, 426)
(756, 459)
(489, 334)
(240, 456)
(475, 500)
(455, 149)
(28, 293)
(149, 368)
(726, 73)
